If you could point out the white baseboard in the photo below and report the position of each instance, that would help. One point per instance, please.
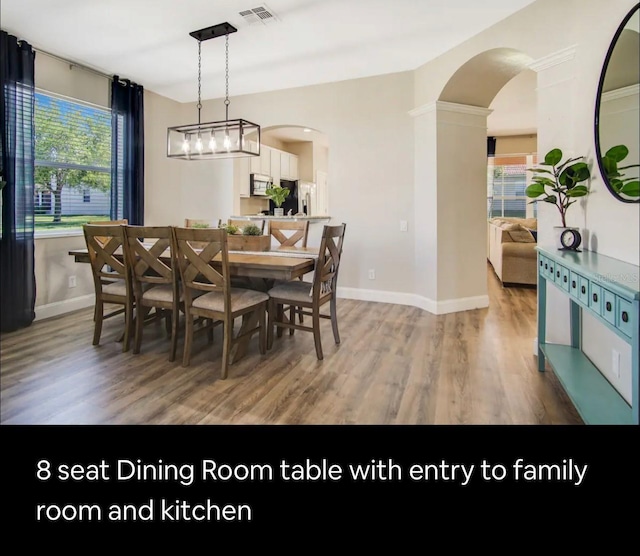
(62, 307)
(414, 300)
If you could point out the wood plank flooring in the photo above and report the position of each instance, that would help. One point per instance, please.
(396, 365)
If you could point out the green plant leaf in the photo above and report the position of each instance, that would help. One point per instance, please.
(553, 157)
(574, 174)
(551, 199)
(617, 153)
(616, 184)
(632, 189)
(544, 181)
(534, 190)
(578, 191)
(610, 166)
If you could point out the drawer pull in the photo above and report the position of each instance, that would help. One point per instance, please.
(546, 266)
(583, 290)
(551, 269)
(541, 263)
(573, 284)
(625, 316)
(595, 298)
(558, 274)
(608, 305)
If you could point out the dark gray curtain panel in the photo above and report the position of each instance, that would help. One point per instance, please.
(127, 153)
(17, 102)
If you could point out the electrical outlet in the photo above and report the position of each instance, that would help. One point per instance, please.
(615, 363)
(372, 274)
(72, 281)
(403, 226)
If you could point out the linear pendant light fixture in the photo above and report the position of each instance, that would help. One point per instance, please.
(222, 139)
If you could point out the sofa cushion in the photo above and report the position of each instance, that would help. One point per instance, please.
(521, 236)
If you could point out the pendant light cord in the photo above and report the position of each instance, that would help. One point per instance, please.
(199, 78)
(226, 98)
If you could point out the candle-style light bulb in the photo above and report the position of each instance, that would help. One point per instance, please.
(227, 141)
(199, 144)
(212, 143)
(186, 147)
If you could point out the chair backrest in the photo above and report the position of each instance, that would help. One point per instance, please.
(195, 263)
(122, 222)
(300, 228)
(197, 223)
(243, 223)
(150, 255)
(325, 276)
(105, 245)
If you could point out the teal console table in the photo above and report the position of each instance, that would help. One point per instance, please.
(608, 289)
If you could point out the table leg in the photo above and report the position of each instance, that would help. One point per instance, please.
(249, 321)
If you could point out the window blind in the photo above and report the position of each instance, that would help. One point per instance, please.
(72, 163)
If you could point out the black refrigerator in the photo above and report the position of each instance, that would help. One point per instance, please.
(291, 202)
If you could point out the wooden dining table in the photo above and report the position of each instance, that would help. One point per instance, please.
(263, 268)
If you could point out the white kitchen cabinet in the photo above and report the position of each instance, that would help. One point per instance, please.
(255, 163)
(293, 167)
(284, 165)
(275, 166)
(241, 171)
(265, 160)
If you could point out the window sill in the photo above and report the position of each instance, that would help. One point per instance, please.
(58, 233)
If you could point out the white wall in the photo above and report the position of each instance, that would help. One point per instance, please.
(370, 168)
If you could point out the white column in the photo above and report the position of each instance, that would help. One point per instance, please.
(450, 194)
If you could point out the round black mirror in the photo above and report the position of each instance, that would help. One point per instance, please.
(616, 115)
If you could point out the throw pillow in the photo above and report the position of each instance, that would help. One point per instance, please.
(534, 233)
(521, 236)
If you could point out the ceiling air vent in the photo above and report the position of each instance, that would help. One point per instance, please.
(261, 14)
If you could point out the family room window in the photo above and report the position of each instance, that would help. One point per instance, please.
(507, 178)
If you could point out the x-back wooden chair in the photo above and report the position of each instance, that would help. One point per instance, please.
(297, 239)
(111, 276)
(300, 296)
(219, 301)
(154, 277)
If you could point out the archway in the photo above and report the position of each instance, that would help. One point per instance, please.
(311, 146)
(453, 169)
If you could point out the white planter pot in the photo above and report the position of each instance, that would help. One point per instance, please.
(278, 212)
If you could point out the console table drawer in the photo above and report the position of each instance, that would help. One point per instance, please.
(574, 282)
(623, 316)
(595, 298)
(558, 272)
(583, 290)
(609, 306)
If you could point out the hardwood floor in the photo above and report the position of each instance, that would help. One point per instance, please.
(396, 364)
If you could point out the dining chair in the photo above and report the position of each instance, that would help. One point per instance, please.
(302, 295)
(154, 278)
(121, 222)
(208, 294)
(197, 223)
(111, 277)
(298, 238)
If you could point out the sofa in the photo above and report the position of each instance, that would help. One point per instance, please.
(511, 249)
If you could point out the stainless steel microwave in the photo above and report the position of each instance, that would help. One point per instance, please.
(259, 184)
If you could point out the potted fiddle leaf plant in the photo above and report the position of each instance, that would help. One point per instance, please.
(278, 195)
(560, 184)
